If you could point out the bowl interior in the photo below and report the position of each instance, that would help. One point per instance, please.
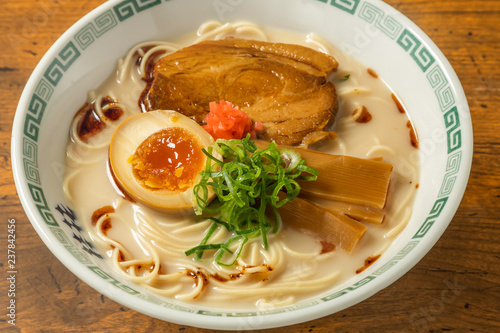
(370, 31)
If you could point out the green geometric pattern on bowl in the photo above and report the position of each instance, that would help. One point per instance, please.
(378, 18)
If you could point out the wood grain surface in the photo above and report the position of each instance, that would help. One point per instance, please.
(456, 287)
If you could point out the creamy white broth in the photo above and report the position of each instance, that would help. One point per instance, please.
(298, 270)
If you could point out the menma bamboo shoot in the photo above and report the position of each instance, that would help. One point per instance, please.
(332, 227)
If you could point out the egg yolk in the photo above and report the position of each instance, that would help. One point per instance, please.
(168, 159)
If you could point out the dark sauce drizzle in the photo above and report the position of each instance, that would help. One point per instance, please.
(89, 123)
(413, 134)
(370, 260)
(148, 75)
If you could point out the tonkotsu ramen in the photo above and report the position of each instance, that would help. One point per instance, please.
(241, 166)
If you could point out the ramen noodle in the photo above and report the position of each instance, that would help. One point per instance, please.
(148, 247)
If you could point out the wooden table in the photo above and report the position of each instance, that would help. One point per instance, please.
(464, 264)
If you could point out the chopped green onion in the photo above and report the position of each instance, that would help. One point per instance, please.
(346, 77)
(247, 183)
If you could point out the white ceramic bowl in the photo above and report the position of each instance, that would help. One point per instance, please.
(370, 30)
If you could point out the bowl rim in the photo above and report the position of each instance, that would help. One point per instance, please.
(227, 322)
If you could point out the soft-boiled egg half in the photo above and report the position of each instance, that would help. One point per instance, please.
(156, 157)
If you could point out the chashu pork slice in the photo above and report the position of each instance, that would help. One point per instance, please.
(284, 86)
